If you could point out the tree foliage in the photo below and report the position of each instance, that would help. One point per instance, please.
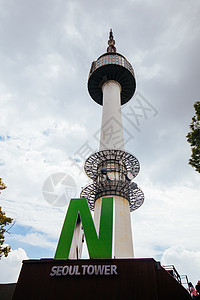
(4, 250)
(193, 137)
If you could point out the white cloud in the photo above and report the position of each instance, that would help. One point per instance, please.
(186, 262)
(10, 266)
(35, 239)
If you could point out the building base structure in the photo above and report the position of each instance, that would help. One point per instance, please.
(50, 279)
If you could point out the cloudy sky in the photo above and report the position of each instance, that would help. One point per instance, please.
(49, 124)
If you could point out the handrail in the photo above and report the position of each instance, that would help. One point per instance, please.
(172, 270)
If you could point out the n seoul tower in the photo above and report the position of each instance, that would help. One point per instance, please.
(111, 83)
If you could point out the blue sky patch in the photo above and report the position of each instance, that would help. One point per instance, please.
(3, 138)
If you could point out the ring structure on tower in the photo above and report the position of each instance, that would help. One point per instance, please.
(112, 172)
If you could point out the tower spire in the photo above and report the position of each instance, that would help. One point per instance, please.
(111, 42)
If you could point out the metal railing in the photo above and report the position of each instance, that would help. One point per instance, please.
(172, 271)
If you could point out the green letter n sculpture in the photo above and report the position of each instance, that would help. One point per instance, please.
(99, 245)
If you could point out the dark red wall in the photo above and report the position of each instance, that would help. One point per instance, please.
(136, 279)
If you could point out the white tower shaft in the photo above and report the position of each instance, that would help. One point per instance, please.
(111, 126)
(112, 138)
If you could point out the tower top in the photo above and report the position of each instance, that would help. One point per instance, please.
(111, 42)
(111, 66)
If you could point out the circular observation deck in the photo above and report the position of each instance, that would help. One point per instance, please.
(111, 66)
(112, 172)
(127, 190)
(111, 156)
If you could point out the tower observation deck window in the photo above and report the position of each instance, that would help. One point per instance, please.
(111, 59)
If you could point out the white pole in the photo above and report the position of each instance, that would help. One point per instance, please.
(112, 138)
(111, 126)
(122, 243)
